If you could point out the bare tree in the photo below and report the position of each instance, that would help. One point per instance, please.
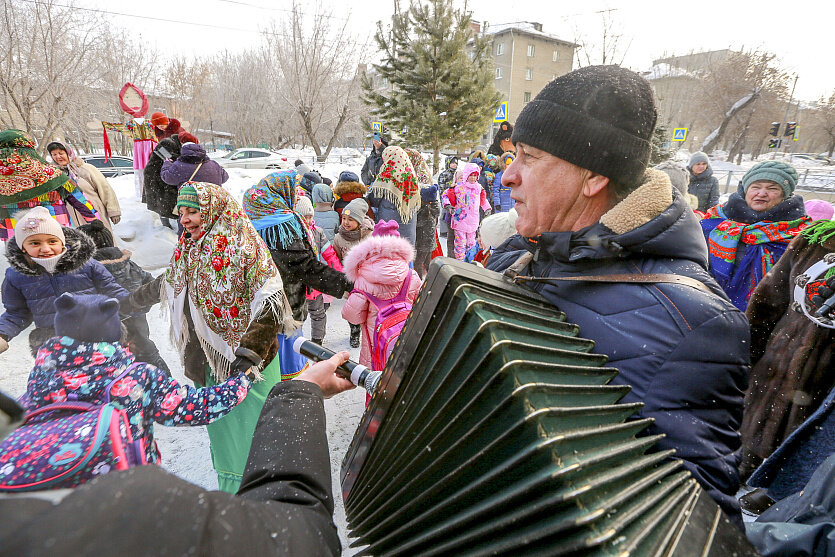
(318, 74)
(48, 52)
(607, 48)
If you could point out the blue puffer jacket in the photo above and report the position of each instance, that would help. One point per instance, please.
(501, 195)
(684, 352)
(29, 292)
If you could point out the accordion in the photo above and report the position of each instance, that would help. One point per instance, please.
(494, 430)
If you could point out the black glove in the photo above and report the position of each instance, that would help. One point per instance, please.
(819, 292)
(241, 365)
(498, 208)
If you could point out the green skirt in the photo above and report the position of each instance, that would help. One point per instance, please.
(231, 436)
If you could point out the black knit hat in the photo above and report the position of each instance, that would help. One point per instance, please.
(600, 118)
(99, 233)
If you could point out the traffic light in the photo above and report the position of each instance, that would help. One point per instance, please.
(775, 128)
(774, 143)
(790, 129)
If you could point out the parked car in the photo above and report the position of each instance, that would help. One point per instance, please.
(253, 158)
(115, 166)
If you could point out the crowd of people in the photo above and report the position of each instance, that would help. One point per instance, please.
(709, 310)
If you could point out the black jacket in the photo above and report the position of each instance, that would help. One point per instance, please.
(705, 187)
(372, 166)
(284, 506)
(302, 272)
(684, 352)
(127, 273)
(160, 197)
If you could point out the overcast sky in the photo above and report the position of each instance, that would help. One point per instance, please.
(799, 32)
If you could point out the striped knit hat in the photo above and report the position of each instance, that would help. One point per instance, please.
(187, 197)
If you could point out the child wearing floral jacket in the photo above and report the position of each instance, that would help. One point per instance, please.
(80, 367)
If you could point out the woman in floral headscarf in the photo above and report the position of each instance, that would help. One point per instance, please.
(227, 306)
(270, 206)
(395, 194)
(26, 181)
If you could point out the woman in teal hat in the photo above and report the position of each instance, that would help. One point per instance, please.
(748, 234)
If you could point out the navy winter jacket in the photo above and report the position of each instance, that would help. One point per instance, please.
(178, 172)
(29, 292)
(501, 195)
(386, 210)
(684, 352)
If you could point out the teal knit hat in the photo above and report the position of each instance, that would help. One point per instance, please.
(187, 197)
(781, 173)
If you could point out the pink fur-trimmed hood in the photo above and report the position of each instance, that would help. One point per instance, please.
(375, 250)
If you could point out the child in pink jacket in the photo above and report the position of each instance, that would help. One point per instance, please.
(464, 201)
(377, 265)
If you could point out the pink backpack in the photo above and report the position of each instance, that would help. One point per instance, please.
(69, 443)
(391, 317)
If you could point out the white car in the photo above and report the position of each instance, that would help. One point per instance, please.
(253, 158)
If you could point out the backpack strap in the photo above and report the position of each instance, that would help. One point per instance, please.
(399, 297)
(634, 278)
(193, 174)
(127, 370)
(70, 405)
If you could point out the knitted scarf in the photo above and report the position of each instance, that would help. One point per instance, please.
(269, 205)
(229, 277)
(398, 183)
(766, 241)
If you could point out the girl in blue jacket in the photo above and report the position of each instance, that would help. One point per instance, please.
(47, 260)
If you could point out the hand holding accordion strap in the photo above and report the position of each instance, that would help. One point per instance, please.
(513, 271)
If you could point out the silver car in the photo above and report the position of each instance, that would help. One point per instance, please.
(253, 158)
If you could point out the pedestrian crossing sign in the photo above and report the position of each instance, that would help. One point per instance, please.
(377, 126)
(501, 113)
(679, 134)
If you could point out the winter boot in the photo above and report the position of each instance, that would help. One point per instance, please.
(317, 341)
(355, 336)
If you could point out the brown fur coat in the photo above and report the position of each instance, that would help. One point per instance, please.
(792, 358)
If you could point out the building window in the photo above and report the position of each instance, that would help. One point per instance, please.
(499, 49)
(555, 56)
(527, 96)
(531, 49)
(528, 74)
(498, 73)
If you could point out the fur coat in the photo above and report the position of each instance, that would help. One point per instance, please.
(792, 358)
(160, 197)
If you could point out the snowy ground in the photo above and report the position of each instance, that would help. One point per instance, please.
(185, 450)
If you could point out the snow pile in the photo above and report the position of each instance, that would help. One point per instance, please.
(662, 70)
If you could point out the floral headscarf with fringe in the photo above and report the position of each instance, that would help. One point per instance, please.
(270, 205)
(398, 182)
(424, 175)
(229, 277)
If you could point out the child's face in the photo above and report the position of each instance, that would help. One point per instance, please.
(481, 242)
(42, 246)
(349, 224)
(699, 167)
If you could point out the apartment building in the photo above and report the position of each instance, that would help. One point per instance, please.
(526, 59)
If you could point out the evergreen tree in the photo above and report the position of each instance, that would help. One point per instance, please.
(441, 77)
(661, 145)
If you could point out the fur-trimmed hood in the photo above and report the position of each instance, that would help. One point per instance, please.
(112, 255)
(342, 188)
(385, 254)
(80, 248)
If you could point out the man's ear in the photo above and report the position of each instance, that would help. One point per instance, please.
(595, 184)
